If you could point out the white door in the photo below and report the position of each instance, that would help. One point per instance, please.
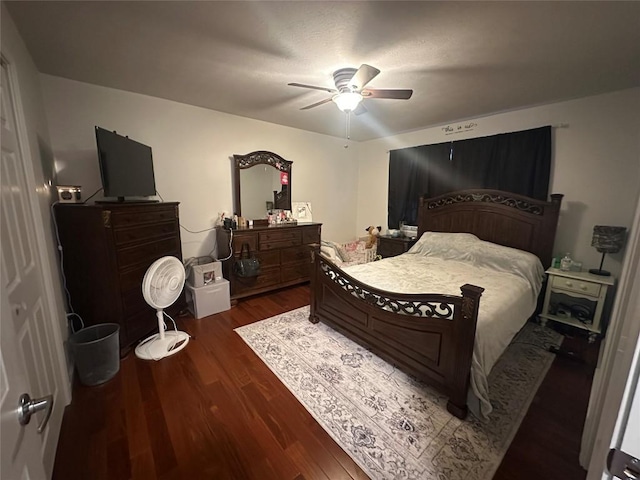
(624, 458)
(615, 401)
(20, 448)
(630, 441)
(30, 352)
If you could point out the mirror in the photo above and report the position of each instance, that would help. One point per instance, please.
(262, 182)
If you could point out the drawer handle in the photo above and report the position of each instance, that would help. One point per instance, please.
(583, 286)
(569, 284)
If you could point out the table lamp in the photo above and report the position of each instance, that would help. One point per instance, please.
(606, 239)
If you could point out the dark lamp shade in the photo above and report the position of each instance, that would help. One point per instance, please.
(608, 239)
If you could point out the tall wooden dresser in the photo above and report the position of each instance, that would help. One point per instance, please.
(106, 251)
(283, 251)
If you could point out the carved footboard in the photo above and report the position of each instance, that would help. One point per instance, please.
(430, 336)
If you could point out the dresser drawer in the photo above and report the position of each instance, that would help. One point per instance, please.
(311, 234)
(146, 232)
(296, 272)
(301, 254)
(577, 286)
(288, 237)
(134, 216)
(268, 258)
(131, 278)
(240, 239)
(133, 302)
(146, 253)
(268, 276)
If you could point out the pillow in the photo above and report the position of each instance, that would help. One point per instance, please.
(509, 260)
(328, 252)
(466, 247)
(339, 251)
(351, 246)
(445, 245)
(342, 253)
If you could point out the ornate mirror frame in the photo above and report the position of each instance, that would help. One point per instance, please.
(282, 199)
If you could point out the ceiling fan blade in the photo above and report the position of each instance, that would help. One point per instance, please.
(317, 104)
(397, 94)
(360, 109)
(364, 75)
(324, 89)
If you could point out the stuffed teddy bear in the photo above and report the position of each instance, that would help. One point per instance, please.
(373, 235)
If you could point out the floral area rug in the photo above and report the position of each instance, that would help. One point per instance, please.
(393, 426)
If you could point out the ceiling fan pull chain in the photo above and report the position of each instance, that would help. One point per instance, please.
(349, 125)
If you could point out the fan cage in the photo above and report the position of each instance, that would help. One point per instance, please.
(163, 282)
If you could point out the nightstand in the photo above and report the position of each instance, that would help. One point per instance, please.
(576, 299)
(389, 246)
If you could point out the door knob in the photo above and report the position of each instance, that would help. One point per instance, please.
(28, 407)
(622, 465)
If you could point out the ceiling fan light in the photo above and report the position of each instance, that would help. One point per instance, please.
(347, 101)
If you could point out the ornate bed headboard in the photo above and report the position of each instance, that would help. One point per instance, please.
(495, 216)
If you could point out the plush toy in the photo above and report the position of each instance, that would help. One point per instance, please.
(373, 235)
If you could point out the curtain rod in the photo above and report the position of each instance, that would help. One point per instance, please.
(557, 125)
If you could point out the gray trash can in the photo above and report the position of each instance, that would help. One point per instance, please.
(96, 353)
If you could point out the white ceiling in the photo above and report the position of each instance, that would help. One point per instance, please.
(462, 59)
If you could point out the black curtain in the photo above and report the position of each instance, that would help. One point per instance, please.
(518, 162)
(425, 169)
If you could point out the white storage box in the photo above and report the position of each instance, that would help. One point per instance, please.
(207, 300)
(205, 274)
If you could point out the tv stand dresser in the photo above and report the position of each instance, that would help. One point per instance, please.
(106, 250)
(283, 251)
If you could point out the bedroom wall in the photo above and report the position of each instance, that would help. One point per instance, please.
(595, 164)
(192, 150)
(595, 159)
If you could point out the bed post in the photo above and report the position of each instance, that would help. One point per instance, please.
(464, 332)
(550, 227)
(315, 285)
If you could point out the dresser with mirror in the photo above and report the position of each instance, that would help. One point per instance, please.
(262, 183)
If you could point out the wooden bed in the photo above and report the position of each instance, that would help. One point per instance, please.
(431, 336)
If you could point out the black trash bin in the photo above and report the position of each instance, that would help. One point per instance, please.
(96, 353)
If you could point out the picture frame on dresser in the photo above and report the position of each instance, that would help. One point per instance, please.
(302, 212)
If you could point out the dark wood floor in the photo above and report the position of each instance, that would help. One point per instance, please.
(215, 411)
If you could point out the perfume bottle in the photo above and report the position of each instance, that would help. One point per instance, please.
(565, 262)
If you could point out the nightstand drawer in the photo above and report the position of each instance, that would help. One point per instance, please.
(577, 286)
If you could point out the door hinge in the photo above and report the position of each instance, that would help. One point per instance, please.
(622, 465)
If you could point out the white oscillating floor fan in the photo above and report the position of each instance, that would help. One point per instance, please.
(161, 286)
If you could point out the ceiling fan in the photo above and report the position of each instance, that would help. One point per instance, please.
(350, 89)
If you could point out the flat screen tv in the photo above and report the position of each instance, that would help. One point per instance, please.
(126, 167)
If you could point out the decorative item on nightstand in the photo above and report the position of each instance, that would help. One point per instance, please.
(606, 239)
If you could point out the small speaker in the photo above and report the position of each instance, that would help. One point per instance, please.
(69, 194)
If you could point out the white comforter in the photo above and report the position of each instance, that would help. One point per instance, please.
(442, 263)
